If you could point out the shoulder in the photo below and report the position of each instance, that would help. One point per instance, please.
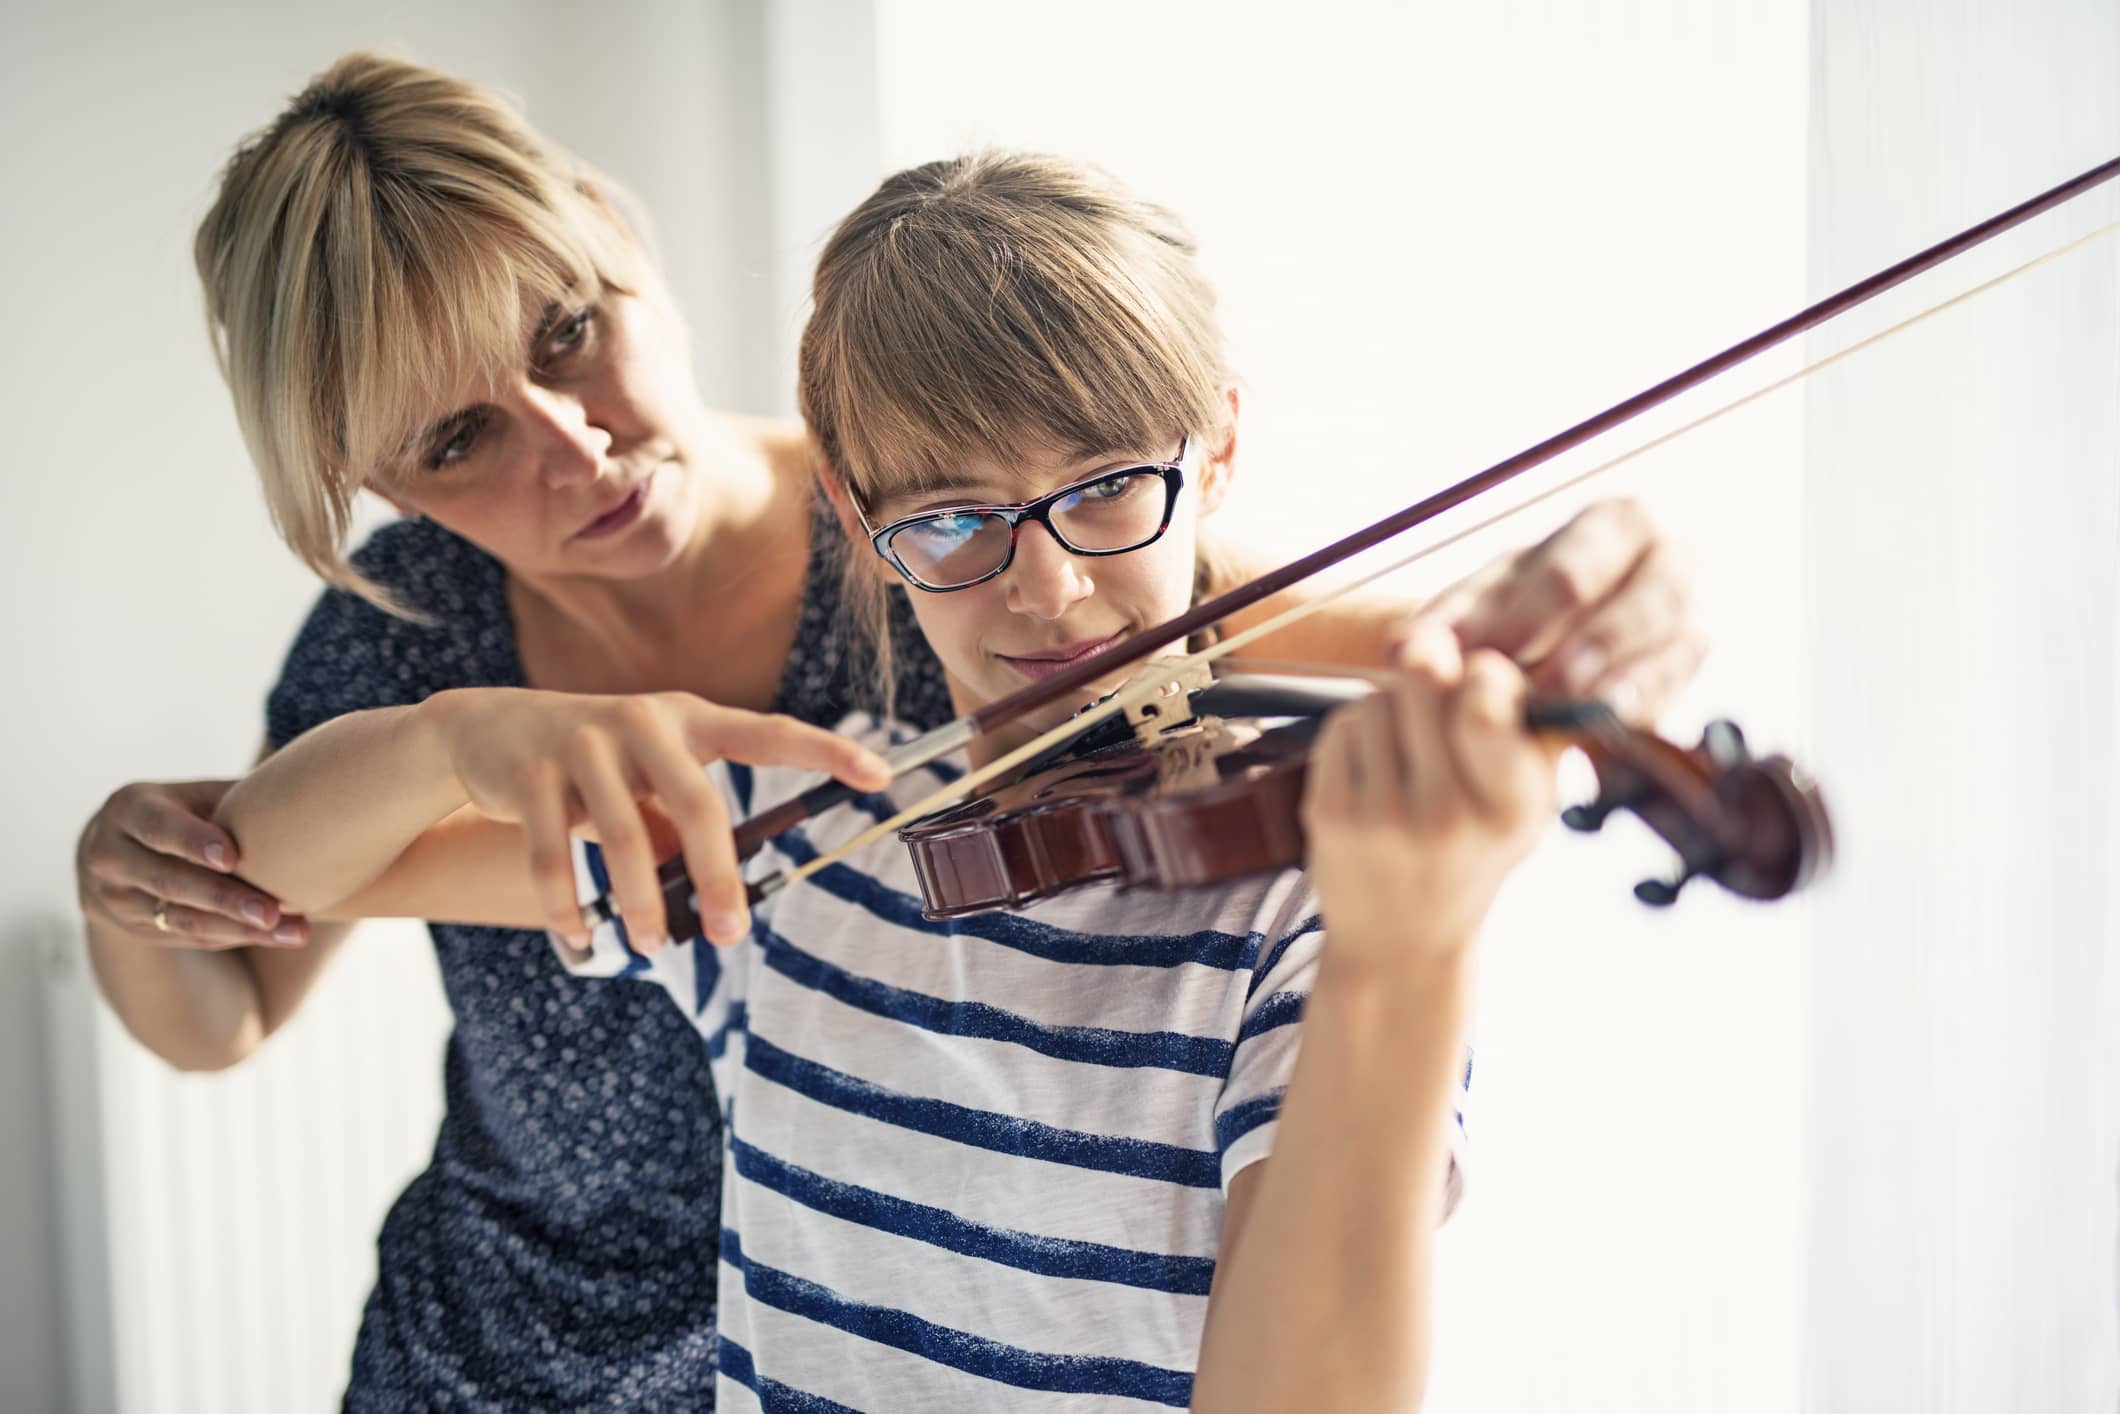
(351, 654)
(432, 571)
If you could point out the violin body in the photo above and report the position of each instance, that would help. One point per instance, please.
(1209, 800)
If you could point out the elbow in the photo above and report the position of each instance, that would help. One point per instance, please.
(198, 1053)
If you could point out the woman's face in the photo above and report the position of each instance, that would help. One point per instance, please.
(1050, 606)
(581, 462)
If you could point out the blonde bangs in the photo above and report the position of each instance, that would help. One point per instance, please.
(457, 308)
(397, 234)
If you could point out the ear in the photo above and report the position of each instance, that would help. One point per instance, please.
(1218, 463)
(835, 491)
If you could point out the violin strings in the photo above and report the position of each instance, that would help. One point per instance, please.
(1143, 688)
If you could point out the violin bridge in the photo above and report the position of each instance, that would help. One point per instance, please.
(1172, 707)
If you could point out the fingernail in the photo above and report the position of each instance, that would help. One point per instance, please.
(287, 933)
(578, 941)
(652, 943)
(725, 927)
(254, 912)
(1582, 668)
(217, 855)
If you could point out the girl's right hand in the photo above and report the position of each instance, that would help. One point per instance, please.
(628, 769)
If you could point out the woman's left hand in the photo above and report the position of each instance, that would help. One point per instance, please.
(1600, 608)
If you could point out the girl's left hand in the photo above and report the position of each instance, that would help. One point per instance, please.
(1422, 797)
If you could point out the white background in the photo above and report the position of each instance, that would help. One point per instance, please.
(1856, 1154)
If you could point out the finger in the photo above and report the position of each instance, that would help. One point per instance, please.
(185, 927)
(544, 824)
(1499, 763)
(171, 820)
(1452, 608)
(598, 772)
(1416, 706)
(761, 739)
(1383, 780)
(1646, 612)
(702, 820)
(124, 864)
(1527, 612)
(1642, 688)
(1328, 787)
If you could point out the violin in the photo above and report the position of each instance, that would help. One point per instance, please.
(1182, 799)
(1190, 799)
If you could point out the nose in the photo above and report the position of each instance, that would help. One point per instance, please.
(1045, 580)
(570, 446)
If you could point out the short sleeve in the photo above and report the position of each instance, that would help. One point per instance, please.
(1265, 1054)
(1248, 1112)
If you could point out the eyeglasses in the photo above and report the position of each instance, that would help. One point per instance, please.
(1108, 514)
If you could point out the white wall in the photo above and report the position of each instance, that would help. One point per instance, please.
(1963, 528)
(148, 599)
(1441, 233)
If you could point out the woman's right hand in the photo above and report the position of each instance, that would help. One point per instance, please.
(154, 845)
(628, 769)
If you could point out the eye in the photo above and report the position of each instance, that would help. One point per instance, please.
(454, 442)
(566, 338)
(1103, 493)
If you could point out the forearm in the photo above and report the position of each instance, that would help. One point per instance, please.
(197, 1010)
(1357, 631)
(1321, 1300)
(327, 814)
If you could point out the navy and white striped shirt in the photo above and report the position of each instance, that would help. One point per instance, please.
(978, 1164)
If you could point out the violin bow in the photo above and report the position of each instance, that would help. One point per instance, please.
(953, 736)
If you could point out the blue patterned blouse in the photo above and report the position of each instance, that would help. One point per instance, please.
(558, 1252)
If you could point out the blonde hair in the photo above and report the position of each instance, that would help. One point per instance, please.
(974, 306)
(383, 238)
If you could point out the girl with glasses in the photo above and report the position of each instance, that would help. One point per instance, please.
(1013, 1161)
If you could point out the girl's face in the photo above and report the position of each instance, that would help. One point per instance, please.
(1051, 606)
(579, 463)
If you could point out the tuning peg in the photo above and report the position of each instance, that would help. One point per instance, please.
(1590, 817)
(1724, 743)
(1662, 893)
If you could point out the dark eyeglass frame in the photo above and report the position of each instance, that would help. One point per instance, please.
(1040, 511)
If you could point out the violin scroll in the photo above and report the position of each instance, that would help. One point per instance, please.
(1755, 825)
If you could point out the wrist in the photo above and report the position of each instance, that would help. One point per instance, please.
(440, 718)
(1397, 969)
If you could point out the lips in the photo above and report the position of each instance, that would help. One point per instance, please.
(1044, 662)
(618, 517)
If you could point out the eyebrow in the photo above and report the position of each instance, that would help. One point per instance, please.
(448, 422)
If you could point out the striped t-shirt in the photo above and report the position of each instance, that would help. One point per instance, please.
(977, 1164)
